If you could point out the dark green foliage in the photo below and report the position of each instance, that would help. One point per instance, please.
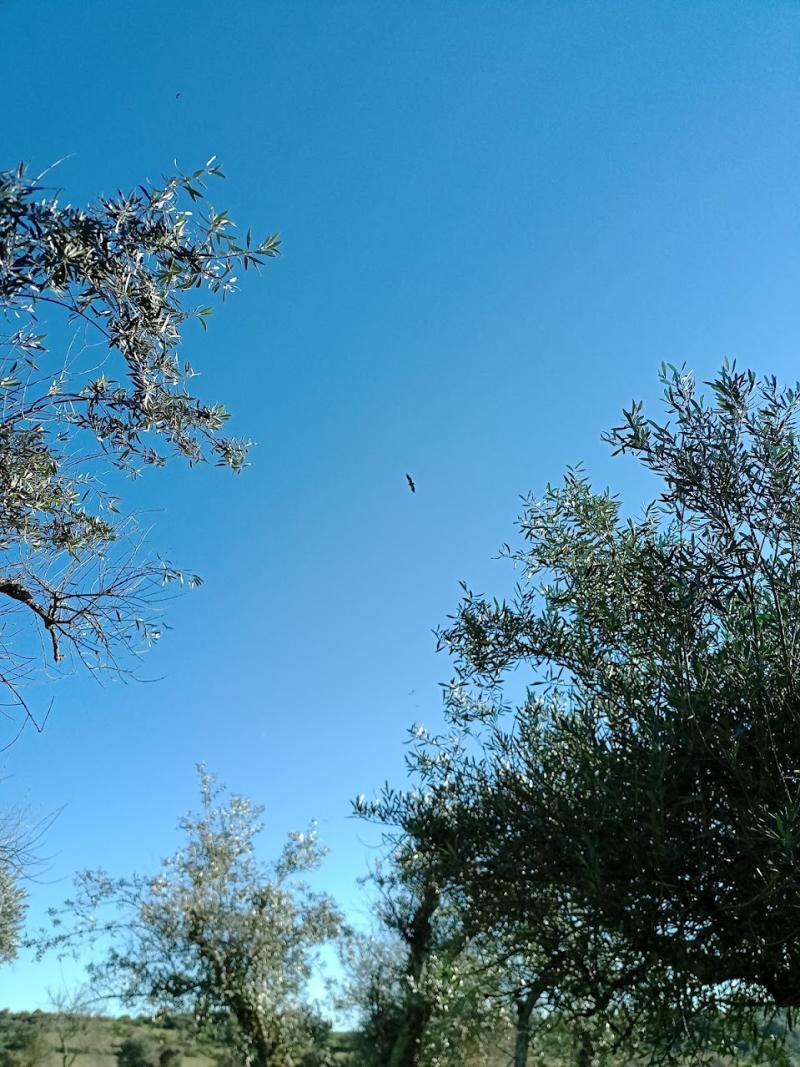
(229, 1059)
(22, 1042)
(423, 986)
(137, 1052)
(647, 793)
(170, 1056)
(382, 1023)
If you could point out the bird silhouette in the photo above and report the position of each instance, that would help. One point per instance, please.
(411, 484)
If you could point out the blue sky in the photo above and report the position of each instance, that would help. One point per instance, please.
(498, 219)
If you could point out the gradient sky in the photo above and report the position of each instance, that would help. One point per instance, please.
(498, 219)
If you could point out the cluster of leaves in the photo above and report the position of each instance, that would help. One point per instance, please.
(114, 285)
(11, 902)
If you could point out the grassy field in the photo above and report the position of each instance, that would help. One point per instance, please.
(34, 1040)
(95, 1044)
(97, 1040)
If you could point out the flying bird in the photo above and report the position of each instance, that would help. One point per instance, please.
(411, 485)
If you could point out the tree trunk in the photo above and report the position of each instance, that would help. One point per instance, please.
(418, 937)
(585, 1052)
(406, 1048)
(524, 1003)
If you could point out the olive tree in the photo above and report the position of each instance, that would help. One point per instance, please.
(19, 841)
(426, 995)
(70, 1018)
(11, 901)
(446, 1016)
(214, 932)
(94, 384)
(504, 959)
(651, 780)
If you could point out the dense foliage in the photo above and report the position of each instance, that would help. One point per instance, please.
(650, 783)
(430, 992)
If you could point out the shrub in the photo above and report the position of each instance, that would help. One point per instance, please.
(136, 1052)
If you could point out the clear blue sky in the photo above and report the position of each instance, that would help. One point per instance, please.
(498, 218)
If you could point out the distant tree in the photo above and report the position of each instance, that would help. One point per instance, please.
(650, 780)
(422, 995)
(69, 1021)
(214, 932)
(170, 1021)
(374, 968)
(115, 284)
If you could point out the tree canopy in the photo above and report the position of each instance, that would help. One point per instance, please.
(108, 391)
(650, 783)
